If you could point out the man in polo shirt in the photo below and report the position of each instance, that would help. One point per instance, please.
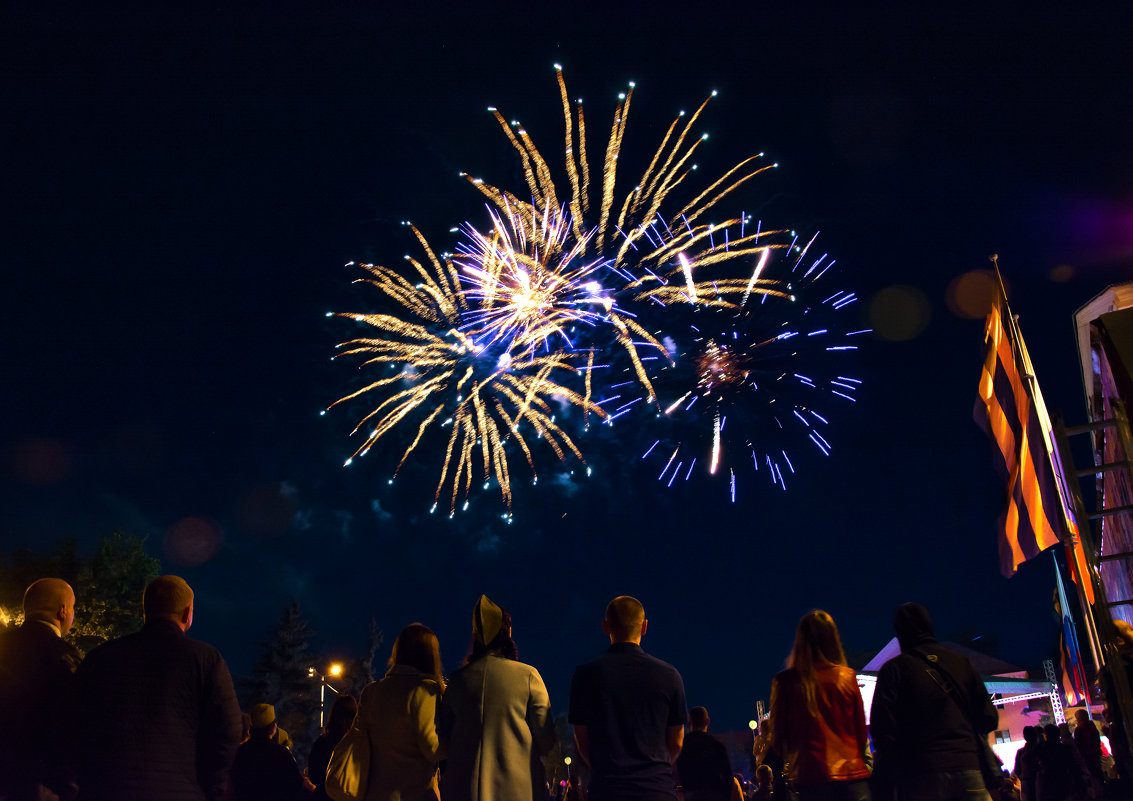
(628, 712)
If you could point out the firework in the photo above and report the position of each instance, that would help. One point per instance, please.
(639, 253)
(529, 287)
(749, 385)
(706, 323)
(439, 377)
(718, 333)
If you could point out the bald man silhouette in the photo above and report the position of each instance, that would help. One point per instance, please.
(37, 668)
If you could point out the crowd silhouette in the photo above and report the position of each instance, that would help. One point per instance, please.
(154, 716)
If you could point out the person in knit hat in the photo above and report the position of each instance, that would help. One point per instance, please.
(264, 770)
(929, 707)
(495, 719)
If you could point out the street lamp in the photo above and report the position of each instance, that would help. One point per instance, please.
(335, 671)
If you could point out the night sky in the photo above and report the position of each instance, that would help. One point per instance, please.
(183, 189)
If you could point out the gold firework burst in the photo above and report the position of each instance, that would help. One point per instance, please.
(442, 378)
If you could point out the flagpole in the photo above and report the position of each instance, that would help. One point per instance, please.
(1068, 618)
(1044, 423)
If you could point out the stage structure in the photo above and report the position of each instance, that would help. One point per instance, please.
(1103, 558)
(1104, 329)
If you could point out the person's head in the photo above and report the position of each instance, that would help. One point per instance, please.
(1032, 734)
(816, 643)
(168, 598)
(1082, 718)
(625, 620)
(1124, 634)
(913, 626)
(263, 720)
(698, 718)
(764, 776)
(1050, 733)
(50, 600)
(417, 647)
(491, 632)
(341, 717)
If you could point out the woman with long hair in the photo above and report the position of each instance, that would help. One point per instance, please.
(817, 716)
(495, 719)
(341, 718)
(398, 713)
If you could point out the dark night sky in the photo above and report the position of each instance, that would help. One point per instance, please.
(183, 188)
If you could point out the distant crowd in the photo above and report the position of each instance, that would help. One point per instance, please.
(153, 716)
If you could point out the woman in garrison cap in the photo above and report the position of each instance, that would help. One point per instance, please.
(495, 718)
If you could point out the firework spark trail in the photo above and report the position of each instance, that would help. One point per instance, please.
(528, 287)
(646, 277)
(489, 399)
(640, 208)
(489, 337)
(737, 372)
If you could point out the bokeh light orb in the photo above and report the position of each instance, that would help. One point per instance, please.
(40, 461)
(970, 295)
(1061, 273)
(192, 541)
(899, 313)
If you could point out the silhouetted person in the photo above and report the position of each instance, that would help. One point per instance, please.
(1118, 737)
(764, 784)
(929, 707)
(37, 669)
(574, 790)
(766, 755)
(703, 767)
(628, 712)
(818, 717)
(158, 717)
(264, 769)
(1088, 742)
(1061, 775)
(1027, 762)
(339, 721)
(399, 715)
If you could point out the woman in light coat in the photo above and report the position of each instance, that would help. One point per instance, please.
(399, 713)
(495, 719)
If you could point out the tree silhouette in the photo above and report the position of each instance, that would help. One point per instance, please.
(108, 585)
(280, 677)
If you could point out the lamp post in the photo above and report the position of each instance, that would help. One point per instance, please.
(335, 671)
(753, 725)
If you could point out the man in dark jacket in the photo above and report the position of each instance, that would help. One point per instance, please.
(37, 668)
(158, 717)
(703, 766)
(928, 708)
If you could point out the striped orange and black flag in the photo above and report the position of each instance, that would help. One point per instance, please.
(1031, 520)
